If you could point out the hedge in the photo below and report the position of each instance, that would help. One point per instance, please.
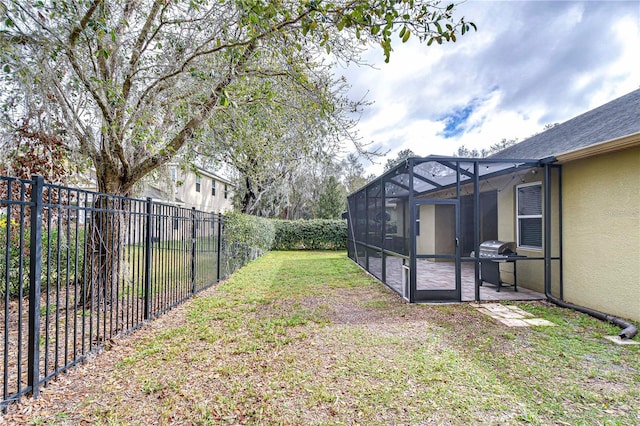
(245, 238)
(317, 234)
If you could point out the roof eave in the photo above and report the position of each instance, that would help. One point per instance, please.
(600, 148)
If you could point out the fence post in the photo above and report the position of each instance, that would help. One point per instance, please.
(147, 260)
(219, 245)
(35, 270)
(193, 250)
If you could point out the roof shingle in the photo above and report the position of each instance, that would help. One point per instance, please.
(613, 120)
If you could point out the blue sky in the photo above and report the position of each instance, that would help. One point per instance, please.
(530, 63)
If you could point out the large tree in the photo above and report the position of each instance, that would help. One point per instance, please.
(332, 199)
(353, 173)
(134, 81)
(279, 123)
(403, 155)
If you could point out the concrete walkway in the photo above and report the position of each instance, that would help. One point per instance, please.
(511, 316)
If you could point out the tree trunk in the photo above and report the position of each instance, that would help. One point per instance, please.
(106, 240)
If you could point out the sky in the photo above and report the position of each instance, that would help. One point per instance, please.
(531, 63)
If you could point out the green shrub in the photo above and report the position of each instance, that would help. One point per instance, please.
(317, 234)
(245, 238)
(10, 241)
(62, 258)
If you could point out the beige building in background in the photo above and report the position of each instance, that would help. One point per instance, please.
(201, 189)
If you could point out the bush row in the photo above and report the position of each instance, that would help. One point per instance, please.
(318, 234)
(245, 238)
(258, 235)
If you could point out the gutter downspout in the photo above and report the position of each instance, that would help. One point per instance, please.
(629, 330)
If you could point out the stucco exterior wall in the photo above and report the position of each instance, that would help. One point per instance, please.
(437, 231)
(530, 272)
(436, 235)
(601, 238)
(203, 200)
(426, 243)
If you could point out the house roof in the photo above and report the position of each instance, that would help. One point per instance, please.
(213, 175)
(611, 121)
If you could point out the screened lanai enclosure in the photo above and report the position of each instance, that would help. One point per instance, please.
(445, 229)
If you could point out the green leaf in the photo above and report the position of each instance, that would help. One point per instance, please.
(102, 53)
(406, 36)
(7, 68)
(224, 98)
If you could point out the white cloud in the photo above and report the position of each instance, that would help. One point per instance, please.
(529, 64)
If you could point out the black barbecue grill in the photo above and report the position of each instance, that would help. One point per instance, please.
(492, 253)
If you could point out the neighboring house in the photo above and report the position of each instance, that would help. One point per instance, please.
(568, 199)
(201, 189)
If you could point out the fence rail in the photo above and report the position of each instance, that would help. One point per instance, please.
(78, 268)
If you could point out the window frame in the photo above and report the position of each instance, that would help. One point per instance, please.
(213, 187)
(529, 216)
(198, 183)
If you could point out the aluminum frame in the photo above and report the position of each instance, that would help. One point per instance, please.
(407, 181)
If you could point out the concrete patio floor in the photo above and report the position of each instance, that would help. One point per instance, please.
(441, 276)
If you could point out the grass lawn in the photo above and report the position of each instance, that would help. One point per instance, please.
(308, 338)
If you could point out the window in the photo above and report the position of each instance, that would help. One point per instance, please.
(174, 173)
(529, 215)
(213, 187)
(226, 191)
(198, 180)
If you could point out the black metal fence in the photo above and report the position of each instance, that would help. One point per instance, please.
(78, 268)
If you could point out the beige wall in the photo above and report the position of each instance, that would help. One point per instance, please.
(530, 272)
(425, 243)
(601, 204)
(203, 200)
(437, 230)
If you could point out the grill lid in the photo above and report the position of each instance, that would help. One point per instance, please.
(494, 248)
